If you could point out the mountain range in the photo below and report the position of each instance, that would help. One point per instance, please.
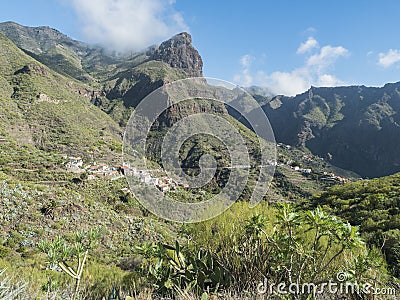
(65, 105)
(355, 127)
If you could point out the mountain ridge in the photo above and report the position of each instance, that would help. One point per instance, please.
(61, 174)
(70, 124)
(91, 63)
(336, 123)
(352, 126)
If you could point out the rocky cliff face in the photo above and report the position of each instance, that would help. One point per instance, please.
(174, 59)
(357, 128)
(179, 53)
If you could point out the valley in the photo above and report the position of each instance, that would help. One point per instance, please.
(65, 106)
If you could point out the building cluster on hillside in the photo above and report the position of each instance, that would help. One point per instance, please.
(302, 170)
(164, 184)
(307, 158)
(95, 171)
(281, 145)
(103, 171)
(334, 178)
(74, 163)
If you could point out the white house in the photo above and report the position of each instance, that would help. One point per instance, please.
(74, 163)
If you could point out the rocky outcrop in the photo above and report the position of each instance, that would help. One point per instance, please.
(174, 59)
(33, 69)
(179, 53)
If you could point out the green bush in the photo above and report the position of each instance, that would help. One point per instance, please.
(285, 245)
(373, 205)
(4, 251)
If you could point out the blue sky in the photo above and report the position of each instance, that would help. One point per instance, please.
(285, 46)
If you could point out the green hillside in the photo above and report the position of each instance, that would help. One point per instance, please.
(373, 206)
(46, 110)
(64, 55)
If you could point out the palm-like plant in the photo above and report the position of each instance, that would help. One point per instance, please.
(60, 253)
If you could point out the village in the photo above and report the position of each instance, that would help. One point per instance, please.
(95, 171)
(323, 176)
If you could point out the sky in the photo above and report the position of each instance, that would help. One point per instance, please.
(285, 46)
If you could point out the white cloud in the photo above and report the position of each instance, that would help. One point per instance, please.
(244, 77)
(328, 80)
(298, 80)
(310, 30)
(246, 60)
(288, 83)
(389, 58)
(327, 56)
(307, 46)
(124, 25)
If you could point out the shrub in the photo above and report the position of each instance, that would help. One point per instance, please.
(284, 245)
(4, 251)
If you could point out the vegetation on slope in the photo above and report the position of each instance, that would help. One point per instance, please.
(46, 114)
(339, 124)
(373, 206)
(46, 110)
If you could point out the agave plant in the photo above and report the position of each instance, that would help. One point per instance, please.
(177, 268)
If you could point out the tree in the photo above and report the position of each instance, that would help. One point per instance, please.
(65, 255)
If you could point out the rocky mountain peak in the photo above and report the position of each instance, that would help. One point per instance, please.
(179, 52)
